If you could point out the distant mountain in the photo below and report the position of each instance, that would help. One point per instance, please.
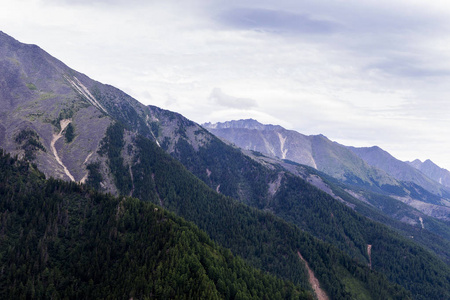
(79, 130)
(432, 170)
(377, 157)
(368, 168)
(316, 151)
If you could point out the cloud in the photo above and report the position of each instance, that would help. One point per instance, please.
(219, 97)
(364, 71)
(92, 2)
(276, 21)
(409, 68)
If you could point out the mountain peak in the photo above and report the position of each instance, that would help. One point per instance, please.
(242, 123)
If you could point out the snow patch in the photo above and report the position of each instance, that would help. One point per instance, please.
(151, 131)
(80, 88)
(87, 158)
(282, 142)
(268, 146)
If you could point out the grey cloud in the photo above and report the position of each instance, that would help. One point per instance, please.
(276, 21)
(95, 2)
(219, 97)
(409, 69)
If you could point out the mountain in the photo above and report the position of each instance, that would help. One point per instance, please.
(376, 201)
(80, 130)
(370, 168)
(314, 151)
(424, 193)
(432, 170)
(42, 101)
(120, 248)
(377, 157)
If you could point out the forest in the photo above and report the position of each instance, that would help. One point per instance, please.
(62, 240)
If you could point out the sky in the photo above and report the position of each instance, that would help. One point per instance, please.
(362, 73)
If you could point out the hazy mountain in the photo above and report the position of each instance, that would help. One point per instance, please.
(370, 168)
(316, 151)
(377, 157)
(432, 170)
(78, 129)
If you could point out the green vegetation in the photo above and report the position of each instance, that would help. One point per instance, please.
(60, 240)
(46, 96)
(28, 140)
(95, 176)
(393, 255)
(124, 109)
(262, 239)
(436, 236)
(314, 211)
(31, 86)
(112, 146)
(69, 133)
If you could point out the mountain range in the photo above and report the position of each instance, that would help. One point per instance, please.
(331, 213)
(432, 170)
(371, 168)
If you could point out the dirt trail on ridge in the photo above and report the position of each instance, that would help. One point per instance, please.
(56, 137)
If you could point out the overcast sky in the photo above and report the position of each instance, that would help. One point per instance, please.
(360, 72)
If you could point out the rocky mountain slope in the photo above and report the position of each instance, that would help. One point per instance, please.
(315, 151)
(368, 168)
(377, 157)
(42, 101)
(432, 170)
(77, 129)
(424, 193)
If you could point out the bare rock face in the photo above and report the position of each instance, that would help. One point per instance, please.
(377, 157)
(48, 113)
(57, 117)
(315, 151)
(37, 103)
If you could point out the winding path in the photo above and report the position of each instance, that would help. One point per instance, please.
(56, 137)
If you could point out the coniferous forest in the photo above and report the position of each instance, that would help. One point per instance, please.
(61, 240)
(264, 240)
(166, 182)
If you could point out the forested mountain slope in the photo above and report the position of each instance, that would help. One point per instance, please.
(61, 240)
(165, 181)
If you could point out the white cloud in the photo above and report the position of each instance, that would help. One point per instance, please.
(220, 98)
(365, 72)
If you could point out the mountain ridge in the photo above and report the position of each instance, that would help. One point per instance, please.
(127, 155)
(432, 170)
(352, 165)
